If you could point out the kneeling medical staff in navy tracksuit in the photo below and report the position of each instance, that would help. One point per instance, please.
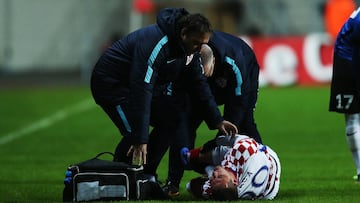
(233, 75)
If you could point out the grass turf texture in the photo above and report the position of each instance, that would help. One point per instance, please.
(294, 121)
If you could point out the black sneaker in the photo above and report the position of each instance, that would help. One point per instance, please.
(171, 189)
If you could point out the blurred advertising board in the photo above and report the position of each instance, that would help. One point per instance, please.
(293, 60)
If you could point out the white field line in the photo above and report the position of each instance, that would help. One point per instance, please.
(48, 121)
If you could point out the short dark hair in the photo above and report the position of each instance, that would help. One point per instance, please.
(225, 194)
(194, 24)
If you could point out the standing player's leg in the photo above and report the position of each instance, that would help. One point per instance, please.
(352, 122)
(185, 134)
(344, 98)
(176, 167)
(118, 115)
(164, 120)
(159, 143)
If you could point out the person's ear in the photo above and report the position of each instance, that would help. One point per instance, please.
(183, 33)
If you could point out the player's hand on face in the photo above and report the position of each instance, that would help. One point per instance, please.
(227, 128)
(138, 152)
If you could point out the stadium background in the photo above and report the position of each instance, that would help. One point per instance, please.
(48, 119)
(64, 38)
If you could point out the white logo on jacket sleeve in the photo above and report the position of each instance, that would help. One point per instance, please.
(170, 61)
(189, 59)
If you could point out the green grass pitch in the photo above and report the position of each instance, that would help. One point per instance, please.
(43, 130)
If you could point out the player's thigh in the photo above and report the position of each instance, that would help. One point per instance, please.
(118, 113)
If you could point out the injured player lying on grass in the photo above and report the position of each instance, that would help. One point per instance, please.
(233, 168)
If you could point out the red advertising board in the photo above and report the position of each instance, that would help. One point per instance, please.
(293, 60)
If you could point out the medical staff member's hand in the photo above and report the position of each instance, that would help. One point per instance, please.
(138, 152)
(227, 128)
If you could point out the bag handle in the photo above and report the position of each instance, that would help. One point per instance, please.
(102, 153)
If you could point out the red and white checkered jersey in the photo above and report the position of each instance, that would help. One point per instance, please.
(256, 167)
